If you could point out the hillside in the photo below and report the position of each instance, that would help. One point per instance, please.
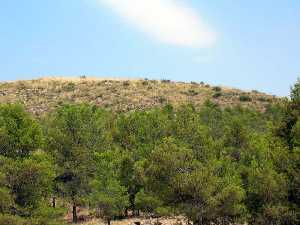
(42, 95)
(201, 166)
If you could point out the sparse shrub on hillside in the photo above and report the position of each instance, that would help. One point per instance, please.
(82, 77)
(126, 83)
(165, 81)
(69, 87)
(191, 92)
(84, 82)
(217, 89)
(194, 83)
(60, 103)
(161, 99)
(47, 93)
(264, 99)
(100, 96)
(145, 82)
(245, 98)
(2, 93)
(154, 81)
(20, 85)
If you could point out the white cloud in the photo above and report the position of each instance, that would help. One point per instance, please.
(167, 21)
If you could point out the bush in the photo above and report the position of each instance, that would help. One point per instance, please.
(11, 220)
(69, 87)
(192, 92)
(48, 215)
(16, 220)
(146, 202)
(162, 99)
(217, 89)
(145, 82)
(165, 81)
(276, 215)
(245, 98)
(217, 94)
(126, 83)
(264, 99)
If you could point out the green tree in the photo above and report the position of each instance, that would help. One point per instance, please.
(235, 138)
(74, 133)
(188, 128)
(213, 198)
(295, 133)
(147, 202)
(295, 93)
(128, 178)
(205, 193)
(138, 133)
(30, 181)
(109, 197)
(290, 118)
(20, 134)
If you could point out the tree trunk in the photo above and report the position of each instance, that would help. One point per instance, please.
(132, 203)
(53, 202)
(108, 221)
(75, 219)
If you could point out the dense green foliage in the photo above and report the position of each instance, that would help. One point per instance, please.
(213, 165)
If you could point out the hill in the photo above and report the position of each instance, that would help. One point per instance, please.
(44, 94)
(171, 166)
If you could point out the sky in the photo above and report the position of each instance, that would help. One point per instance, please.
(251, 45)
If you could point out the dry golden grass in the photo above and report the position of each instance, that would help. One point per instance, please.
(43, 95)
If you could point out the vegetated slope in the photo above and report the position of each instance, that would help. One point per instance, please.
(43, 95)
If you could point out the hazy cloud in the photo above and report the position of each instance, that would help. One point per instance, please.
(168, 21)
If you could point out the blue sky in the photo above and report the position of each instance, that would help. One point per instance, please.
(245, 44)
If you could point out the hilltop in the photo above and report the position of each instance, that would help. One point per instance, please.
(44, 94)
